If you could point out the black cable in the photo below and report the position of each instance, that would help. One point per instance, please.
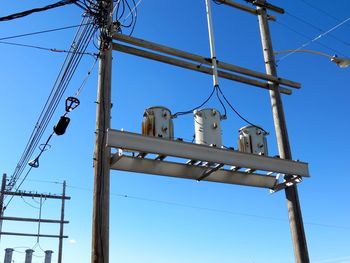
(80, 43)
(44, 48)
(35, 10)
(201, 105)
(222, 104)
(237, 113)
(42, 32)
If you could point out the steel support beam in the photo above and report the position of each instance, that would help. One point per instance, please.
(185, 171)
(137, 142)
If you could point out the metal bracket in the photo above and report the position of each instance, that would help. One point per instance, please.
(287, 183)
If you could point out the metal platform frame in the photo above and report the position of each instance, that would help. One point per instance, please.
(198, 162)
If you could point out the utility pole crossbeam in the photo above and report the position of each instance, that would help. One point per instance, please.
(100, 217)
(293, 205)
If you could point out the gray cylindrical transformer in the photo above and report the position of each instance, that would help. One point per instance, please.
(157, 122)
(207, 124)
(252, 139)
(48, 256)
(8, 255)
(29, 255)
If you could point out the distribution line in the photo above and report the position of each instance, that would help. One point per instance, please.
(43, 31)
(316, 38)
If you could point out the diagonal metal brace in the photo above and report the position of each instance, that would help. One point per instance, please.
(210, 171)
(287, 183)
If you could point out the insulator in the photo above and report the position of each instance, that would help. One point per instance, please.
(61, 126)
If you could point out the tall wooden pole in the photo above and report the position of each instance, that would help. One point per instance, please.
(60, 243)
(100, 217)
(294, 210)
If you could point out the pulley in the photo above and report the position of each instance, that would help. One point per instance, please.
(61, 126)
(71, 103)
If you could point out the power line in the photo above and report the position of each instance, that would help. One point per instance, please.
(317, 28)
(215, 210)
(43, 31)
(316, 38)
(73, 58)
(307, 37)
(43, 48)
(36, 10)
(322, 11)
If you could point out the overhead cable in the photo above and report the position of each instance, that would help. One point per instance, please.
(35, 10)
(316, 38)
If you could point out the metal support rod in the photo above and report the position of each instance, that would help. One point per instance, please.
(294, 210)
(60, 242)
(214, 64)
(100, 217)
(3, 185)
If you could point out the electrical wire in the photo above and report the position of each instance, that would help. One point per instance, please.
(317, 28)
(180, 113)
(307, 37)
(73, 58)
(237, 113)
(323, 11)
(42, 32)
(44, 48)
(36, 10)
(316, 38)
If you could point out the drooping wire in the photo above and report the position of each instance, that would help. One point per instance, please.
(237, 113)
(197, 107)
(120, 9)
(35, 10)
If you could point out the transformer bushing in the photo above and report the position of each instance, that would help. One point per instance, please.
(207, 124)
(157, 122)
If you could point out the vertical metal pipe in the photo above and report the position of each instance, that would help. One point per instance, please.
(100, 217)
(212, 43)
(8, 255)
(29, 256)
(60, 243)
(293, 205)
(48, 256)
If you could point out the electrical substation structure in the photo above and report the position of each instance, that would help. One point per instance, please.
(39, 220)
(147, 154)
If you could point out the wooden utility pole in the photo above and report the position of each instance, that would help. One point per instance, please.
(100, 217)
(294, 210)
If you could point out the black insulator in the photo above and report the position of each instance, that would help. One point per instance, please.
(61, 126)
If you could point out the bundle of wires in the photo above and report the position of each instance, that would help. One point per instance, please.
(77, 49)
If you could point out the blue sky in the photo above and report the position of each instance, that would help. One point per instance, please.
(174, 220)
